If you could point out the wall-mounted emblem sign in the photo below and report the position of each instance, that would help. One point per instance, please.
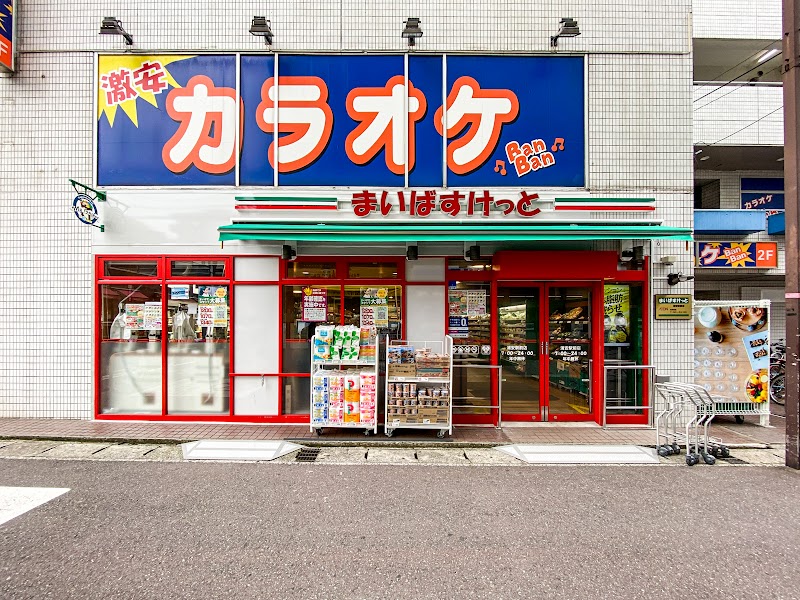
(737, 255)
(673, 306)
(7, 36)
(365, 121)
(84, 208)
(84, 204)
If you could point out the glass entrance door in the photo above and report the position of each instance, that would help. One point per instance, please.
(569, 349)
(544, 342)
(521, 350)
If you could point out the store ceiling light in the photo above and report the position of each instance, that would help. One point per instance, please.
(704, 157)
(113, 26)
(261, 26)
(568, 27)
(772, 52)
(412, 30)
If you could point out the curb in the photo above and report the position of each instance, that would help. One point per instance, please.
(316, 443)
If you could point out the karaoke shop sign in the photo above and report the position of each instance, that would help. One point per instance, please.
(366, 121)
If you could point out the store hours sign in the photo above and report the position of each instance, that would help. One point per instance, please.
(332, 120)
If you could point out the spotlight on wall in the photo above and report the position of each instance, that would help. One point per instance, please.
(412, 253)
(473, 253)
(412, 31)
(288, 253)
(261, 26)
(676, 278)
(113, 26)
(568, 27)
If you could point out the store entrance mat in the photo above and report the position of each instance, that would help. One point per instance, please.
(581, 454)
(237, 449)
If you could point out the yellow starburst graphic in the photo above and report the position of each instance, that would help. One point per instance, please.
(120, 69)
(9, 11)
(738, 255)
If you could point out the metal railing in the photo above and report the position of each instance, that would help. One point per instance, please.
(647, 393)
(489, 406)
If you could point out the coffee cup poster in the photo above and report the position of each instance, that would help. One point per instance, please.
(731, 351)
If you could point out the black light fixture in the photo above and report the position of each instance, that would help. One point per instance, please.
(412, 30)
(288, 253)
(261, 26)
(633, 257)
(568, 27)
(113, 26)
(676, 278)
(473, 253)
(412, 253)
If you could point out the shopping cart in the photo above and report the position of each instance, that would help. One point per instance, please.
(693, 405)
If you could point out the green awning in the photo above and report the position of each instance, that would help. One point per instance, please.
(445, 232)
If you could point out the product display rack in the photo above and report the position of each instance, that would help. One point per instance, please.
(370, 363)
(427, 401)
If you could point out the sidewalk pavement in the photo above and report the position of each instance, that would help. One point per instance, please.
(745, 435)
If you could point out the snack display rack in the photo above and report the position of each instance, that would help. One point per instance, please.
(341, 396)
(419, 384)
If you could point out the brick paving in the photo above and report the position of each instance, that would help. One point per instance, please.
(746, 434)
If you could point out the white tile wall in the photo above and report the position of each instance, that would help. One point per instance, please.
(738, 115)
(737, 19)
(45, 257)
(640, 135)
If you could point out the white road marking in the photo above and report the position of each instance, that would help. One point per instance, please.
(16, 501)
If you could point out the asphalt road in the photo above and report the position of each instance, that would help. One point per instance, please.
(177, 530)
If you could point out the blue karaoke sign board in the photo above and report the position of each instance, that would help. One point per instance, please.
(492, 121)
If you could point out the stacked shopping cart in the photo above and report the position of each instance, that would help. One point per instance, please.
(684, 422)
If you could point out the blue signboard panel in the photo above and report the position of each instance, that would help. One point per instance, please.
(166, 120)
(341, 121)
(364, 77)
(762, 193)
(515, 121)
(425, 74)
(255, 165)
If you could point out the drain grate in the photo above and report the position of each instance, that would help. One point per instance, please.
(735, 461)
(307, 455)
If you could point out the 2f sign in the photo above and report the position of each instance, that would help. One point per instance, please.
(766, 255)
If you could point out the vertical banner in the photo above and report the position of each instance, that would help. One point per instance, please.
(7, 36)
(617, 309)
(731, 347)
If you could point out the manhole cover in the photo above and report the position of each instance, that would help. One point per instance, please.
(307, 455)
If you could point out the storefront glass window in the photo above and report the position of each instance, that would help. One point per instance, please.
(459, 264)
(296, 394)
(309, 270)
(305, 307)
(372, 270)
(469, 313)
(198, 349)
(197, 268)
(130, 349)
(378, 306)
(130, 268)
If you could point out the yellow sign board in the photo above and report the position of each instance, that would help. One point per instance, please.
(673, 306)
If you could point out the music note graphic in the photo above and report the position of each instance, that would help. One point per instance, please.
(500, 167)
(557, 145)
